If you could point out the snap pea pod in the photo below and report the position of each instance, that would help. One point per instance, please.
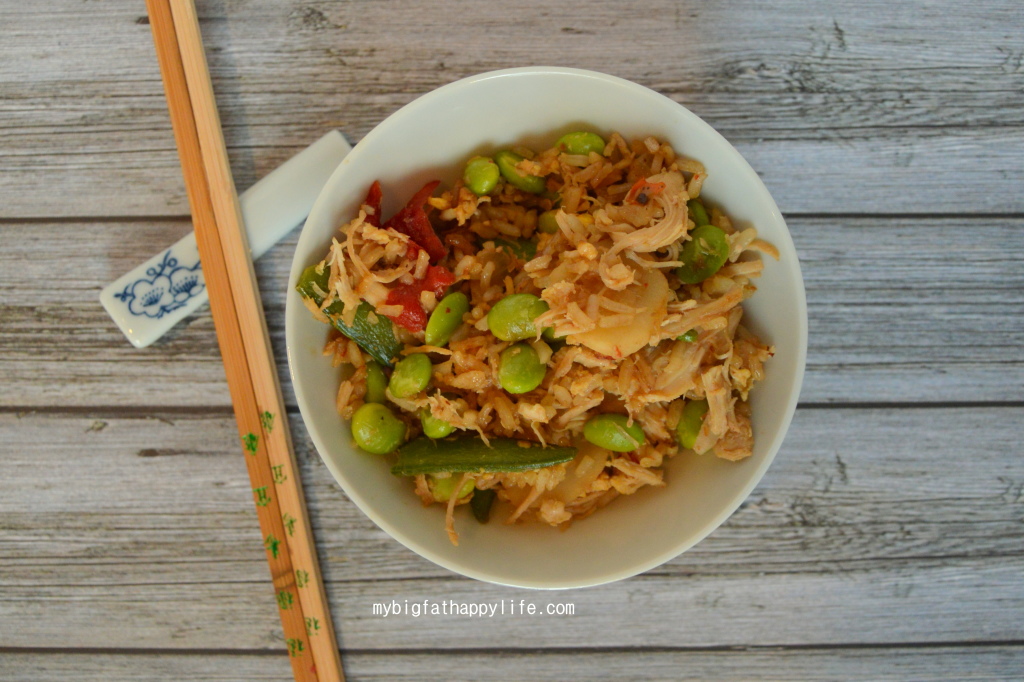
(481, 504)
(469, 453)
(376, 337)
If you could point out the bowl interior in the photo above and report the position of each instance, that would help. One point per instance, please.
(430, 138)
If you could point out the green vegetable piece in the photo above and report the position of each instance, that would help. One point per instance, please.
(520, 369)
(376, 429)
(376, 383)
(469, 453)
(703, 255)
(507, 161)
(481, 175)
(481, 504)
(411, 375)
(511, 318)
(442, 488)
(689, 336)
(581, 143)
(524, 249)
(610, 431)
(547, 223)
(374, 333)
(691, 421)
(698, 212)
(446, 318)
(434, 427)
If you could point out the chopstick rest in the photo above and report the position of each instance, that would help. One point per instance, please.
(153, 297)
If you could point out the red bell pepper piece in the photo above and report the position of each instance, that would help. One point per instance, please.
(412, 221)
(373, 199)
(413, 317)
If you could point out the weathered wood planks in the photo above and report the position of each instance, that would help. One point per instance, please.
(901, 310)
(871, 521)
(861, 108)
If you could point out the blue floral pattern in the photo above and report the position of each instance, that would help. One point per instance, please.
(166, 287)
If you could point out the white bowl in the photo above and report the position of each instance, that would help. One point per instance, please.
(432, 137)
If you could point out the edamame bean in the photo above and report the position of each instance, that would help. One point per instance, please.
(442, 488)
(411, 375)
(581, 143)
(376, 383)
(520, 369)
(546, 222)
(507, 161)
(691, 421)
(376, 429)
(511, 318)
(434, 427)
(698, 212)
(446, 318)
(703, 255)
(689, 336)
(610, 431)
(481, 175)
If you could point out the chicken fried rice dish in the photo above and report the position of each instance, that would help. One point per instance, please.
(542, 335)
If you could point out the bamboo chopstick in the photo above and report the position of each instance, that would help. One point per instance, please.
(245, 344)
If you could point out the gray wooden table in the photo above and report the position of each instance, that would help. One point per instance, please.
(886, 542)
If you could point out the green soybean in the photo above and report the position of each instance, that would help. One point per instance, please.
(481, 175)
(511, 318)
(703, 255)
(547, 223)
(507, 161)
(434, 427)
(411, 375)
(691, 421)
(613, 432)
(446, 318)
(442, 488)
(698, 212)
(689, 336)
(581, 143)
(375, 429)
(520, 369)
(376, 383)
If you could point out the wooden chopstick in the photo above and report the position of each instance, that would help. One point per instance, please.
(245, 344)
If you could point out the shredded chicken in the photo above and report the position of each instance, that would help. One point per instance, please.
(631, 337)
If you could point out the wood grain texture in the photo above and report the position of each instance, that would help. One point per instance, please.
(885, 541)
(975, 663)
(812, 94)
(901, 310)
(866, 513)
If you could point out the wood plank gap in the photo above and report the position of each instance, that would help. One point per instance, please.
(74, 220)
(159, 218)
(158, 411)
(937, 405)
(553, 651)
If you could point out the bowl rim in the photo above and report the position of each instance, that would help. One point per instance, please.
(353, 492)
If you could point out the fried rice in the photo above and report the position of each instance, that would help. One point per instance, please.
(615, 304)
